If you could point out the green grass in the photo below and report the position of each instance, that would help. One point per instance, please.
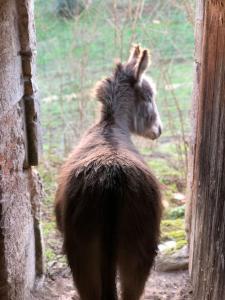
(48, 227)
(62, 41)
(163, 170)
(62, 44)
(50, 254)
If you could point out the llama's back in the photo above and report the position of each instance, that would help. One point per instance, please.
(112, 214)
(101, 188)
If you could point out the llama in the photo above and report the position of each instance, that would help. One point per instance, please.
(108, 203)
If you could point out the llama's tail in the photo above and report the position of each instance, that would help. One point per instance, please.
(91, 230)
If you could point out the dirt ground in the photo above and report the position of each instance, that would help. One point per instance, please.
(160, 286)
(58, 283)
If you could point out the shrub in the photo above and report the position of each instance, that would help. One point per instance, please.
(69, 8)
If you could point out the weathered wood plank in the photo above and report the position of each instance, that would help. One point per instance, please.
(208, 180)
(200, 8)
(31, 106)
(31, 101)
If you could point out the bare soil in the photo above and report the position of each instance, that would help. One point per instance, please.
(160, 286)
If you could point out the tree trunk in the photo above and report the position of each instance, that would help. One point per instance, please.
(207, 175)
(200, 7)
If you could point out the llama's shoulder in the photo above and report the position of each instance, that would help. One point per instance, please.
(102, 151)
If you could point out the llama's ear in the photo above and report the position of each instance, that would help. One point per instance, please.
(142, 64)
(134, 54)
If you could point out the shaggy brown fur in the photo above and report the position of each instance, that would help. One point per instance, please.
(108, 204)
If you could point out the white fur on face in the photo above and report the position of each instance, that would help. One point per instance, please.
(157, 125)
(156, 128)
(146, 119)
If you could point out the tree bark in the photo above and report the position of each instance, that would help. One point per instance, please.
(207, 167)
(200, 7)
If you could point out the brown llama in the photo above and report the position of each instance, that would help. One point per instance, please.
(108, 204)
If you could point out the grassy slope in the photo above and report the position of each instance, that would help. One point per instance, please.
(90, 42)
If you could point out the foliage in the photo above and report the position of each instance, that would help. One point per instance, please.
(177, 212)
(173, 230)
(69, 8)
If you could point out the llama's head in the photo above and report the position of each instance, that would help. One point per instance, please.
(128, 97)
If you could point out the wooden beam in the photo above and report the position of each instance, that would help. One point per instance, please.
(207, 238)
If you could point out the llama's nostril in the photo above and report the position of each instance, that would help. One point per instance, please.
(160, 130)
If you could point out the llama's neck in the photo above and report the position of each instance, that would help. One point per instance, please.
(116, 113)
(116, 117)
(117, 129)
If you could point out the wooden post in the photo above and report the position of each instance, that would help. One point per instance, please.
(207, 174)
